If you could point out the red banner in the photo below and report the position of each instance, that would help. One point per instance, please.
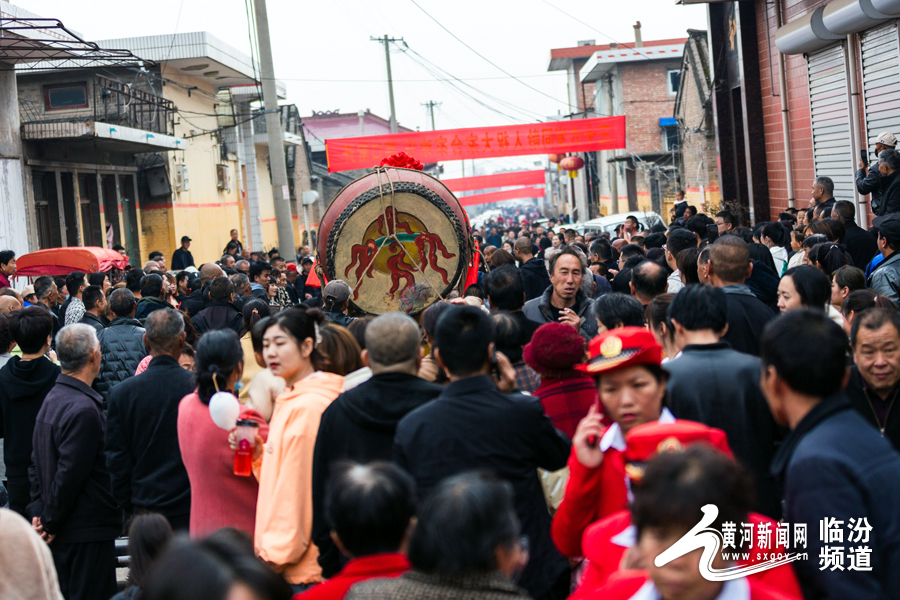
(555, 137)
(523, 192)
(498, 180)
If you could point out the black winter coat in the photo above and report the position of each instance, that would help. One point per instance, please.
(834, 465)
(535, 278)
(219, 315)
(890, 194)
(861, 245)
(70, 489)
(142, 440)
(148, 305)
(472, 425)
(719, 387)
(870, 183)
(23, 387)
(122, 349)
(94, 321)
(747, 318)
(857, 395)
(359, 426)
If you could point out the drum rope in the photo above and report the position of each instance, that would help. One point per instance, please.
(392, 233)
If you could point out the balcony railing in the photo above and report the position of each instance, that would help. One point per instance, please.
(114, 102)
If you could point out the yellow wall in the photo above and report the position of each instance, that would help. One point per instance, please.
(266, 200)
(204, 213)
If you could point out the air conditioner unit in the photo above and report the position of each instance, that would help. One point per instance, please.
(158, 181)
(223, 180)
(182, 180)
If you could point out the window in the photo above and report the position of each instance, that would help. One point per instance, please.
(65, 96)
(672, 141)
(672, 78)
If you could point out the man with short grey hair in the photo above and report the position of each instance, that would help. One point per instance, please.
(142, 449)
(889, 166)
(822, 194)
(359, 425)
(72, 501)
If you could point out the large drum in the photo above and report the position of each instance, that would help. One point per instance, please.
(398, 237)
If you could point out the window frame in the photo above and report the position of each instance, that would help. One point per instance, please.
(46, 89)
(669, 89)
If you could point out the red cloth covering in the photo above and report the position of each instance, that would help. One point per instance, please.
(566, 400)
(4, 281)
(219, 498)
(376, 566)
(604, 555)
(625, 584)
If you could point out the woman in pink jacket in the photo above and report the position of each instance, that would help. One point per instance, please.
(283, 536)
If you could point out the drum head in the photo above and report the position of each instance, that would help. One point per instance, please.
(408, 272)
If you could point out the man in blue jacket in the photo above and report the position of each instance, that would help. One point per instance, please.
(839, 476)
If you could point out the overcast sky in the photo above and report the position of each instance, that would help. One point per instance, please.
(323, 54)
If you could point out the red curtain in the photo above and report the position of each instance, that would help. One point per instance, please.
(556, 137)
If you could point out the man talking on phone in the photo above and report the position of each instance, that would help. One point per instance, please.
(868, 181)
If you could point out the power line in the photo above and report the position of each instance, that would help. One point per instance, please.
(487, 60)
(609, 37)
(557, 75)
(174, 33)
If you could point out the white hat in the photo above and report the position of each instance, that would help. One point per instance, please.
(886, 139)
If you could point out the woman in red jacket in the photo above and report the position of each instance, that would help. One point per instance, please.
(632, 386)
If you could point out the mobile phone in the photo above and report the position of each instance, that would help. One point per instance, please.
(864, 155)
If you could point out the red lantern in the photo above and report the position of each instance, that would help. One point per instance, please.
(554, 158)
(572, 164)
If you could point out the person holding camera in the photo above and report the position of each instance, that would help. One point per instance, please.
(868, 181)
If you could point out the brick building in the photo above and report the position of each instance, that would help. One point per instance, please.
(840, 63)
(699, 167)
(640, 81)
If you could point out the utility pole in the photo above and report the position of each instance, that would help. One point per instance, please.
(430, 106)
(387, 58)
(280, 189)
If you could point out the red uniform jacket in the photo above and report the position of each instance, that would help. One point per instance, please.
(605, 543)
(380, 566)
(628, 585)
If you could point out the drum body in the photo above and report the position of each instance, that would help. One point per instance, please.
(398, 237)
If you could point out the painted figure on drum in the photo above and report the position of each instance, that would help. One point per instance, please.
(416, 252)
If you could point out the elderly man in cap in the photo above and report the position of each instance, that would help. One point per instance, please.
(336, 298)
(182, 258)
(868, 181)
(885, 277)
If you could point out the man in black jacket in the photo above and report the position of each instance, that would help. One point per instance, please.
(534, 273)
(94, 308)
(72, 504)
(889, 166)
(47, 294)
(505, 289)
(24, 383)
(868, 180)
(200, 298)
(475, 425)
(729, 267)
(713, 384)
(836, 471)
(142, 436)
(360, 424)
(121, 344)
(220, 313)
(259, 279)
(336, 297)
(182, 258)
(861, 245)
(153, 296)
(875, 376)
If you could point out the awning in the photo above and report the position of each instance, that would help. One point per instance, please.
(668, 122)
(114, 137)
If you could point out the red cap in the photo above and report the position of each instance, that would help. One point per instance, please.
(291, 267)
(647, 440)
(621, 348)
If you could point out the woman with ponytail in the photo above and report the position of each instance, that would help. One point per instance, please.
(219, 498)
(284, 510)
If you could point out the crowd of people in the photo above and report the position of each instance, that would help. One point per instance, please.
(546, 432)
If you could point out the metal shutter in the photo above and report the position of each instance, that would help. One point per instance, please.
(830, 117)
(881, 81)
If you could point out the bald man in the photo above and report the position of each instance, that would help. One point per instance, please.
(359, 425)
(9, 304)
(198, 299)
